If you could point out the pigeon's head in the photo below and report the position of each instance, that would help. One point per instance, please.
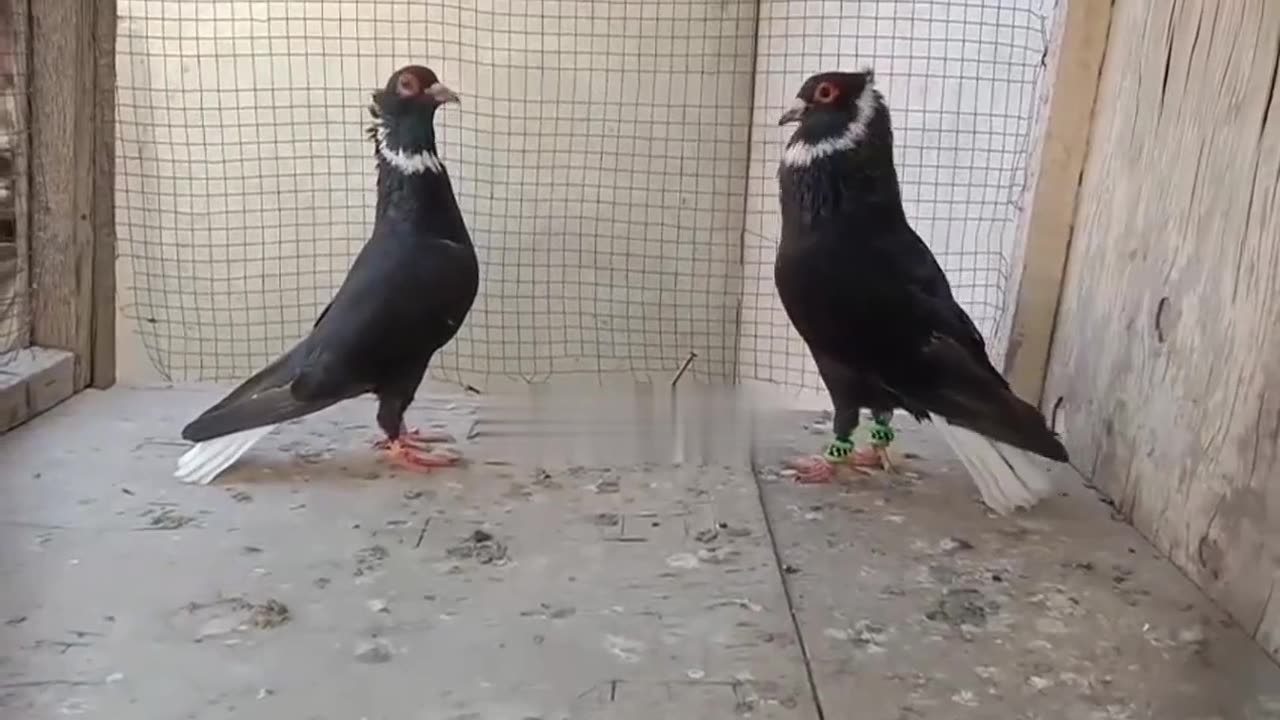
(834, 111)
(404, 113)
(414, 90)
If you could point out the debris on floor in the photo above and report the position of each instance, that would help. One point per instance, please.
(233, 615)
(642, 588)
(269, 614)
(370, 559)
(481, 547)
(165, 518)
(373, 652)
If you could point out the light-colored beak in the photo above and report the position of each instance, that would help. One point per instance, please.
(794, 112)
(442, 94)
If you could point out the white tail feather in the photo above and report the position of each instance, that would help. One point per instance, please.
(1007, 478)
(207, 459)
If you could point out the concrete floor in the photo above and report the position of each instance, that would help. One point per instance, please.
(573, 571)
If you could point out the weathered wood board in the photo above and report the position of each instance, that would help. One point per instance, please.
(72, 236)
(1165, 371)
(1055, 163)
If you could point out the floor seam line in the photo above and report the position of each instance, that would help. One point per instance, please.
(758, 478)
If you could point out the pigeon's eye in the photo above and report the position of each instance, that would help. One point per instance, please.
(407, 85)
(825, 92)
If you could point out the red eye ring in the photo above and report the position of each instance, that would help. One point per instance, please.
(825, 92)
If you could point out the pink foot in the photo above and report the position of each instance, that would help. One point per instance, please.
(407, 455)
(425, 438)
(418, 438)
(871, 457)
(812, 469)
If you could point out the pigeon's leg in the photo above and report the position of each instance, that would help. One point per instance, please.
(822, 468)
(846, 393)
(882, 435)
(399, 448)
(815, 469)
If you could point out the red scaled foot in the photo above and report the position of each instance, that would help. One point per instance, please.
(423, 439)
(812, 469)
(875, 456)
(419, 439)
(409, 455)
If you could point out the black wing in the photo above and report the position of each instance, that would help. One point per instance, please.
(926, 276)
(311, 376)
(382, 321)
(951, 374)
(883, 306)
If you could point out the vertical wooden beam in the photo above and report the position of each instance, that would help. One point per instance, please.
(22, 163)
(104, 201)
(66, 177)
(1074, 75)
(61, 179)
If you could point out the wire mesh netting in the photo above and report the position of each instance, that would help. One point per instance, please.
(15, 325)
(615, 160)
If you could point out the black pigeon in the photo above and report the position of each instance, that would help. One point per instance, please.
(405, 296)
(877, 312)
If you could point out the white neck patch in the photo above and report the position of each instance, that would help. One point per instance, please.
(406, 162)
(803, 154)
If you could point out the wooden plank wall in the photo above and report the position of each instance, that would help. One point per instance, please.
(72, 196)
(1073, 66)
(1165, 367)
(103, 351)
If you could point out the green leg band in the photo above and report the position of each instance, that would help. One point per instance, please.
(881, 433)
(839, 449)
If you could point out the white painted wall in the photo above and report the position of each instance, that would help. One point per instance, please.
(608, 155)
